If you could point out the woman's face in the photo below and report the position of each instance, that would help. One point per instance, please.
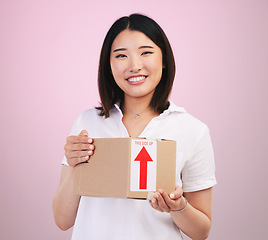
(136, 63)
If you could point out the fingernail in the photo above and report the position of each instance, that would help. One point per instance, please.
(86, 157)
(89, 152)
(153, 200)
(90, 147)
(172, 195)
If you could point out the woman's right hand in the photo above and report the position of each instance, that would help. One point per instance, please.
(78, 148)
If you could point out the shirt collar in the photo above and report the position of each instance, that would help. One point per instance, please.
(172, 108)
(116, 110)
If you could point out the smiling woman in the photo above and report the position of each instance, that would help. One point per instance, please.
(136, 74)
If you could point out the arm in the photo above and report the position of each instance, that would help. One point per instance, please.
(65, 202)
(195, 220)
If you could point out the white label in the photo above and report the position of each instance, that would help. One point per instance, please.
(143, 165)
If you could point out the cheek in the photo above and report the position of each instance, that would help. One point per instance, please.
(157, 68)
(156, 65)
(117, 70)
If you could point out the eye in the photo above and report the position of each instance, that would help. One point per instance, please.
(120, 56)
(147, 53)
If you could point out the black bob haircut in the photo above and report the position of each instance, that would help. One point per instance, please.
(109, 92)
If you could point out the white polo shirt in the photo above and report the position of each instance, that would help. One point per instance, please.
(121, 219)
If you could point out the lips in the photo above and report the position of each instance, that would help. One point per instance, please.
(136, 79)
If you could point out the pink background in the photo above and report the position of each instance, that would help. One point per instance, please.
(49, 54)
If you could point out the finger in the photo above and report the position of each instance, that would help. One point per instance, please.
(83, 133)
(78, 147)
(74, 161)
(176, 194)
(161, 202)
(171, 203)
(79, 139)
(78, 154)
(154, 203)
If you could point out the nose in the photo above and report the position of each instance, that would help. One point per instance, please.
(135, 64)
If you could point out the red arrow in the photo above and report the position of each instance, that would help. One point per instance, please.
(143, 157)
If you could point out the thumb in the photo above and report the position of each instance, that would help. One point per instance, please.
(83, 133)
(176, 194)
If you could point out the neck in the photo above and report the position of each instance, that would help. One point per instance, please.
(137, 105)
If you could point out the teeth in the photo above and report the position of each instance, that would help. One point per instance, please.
(136, 79)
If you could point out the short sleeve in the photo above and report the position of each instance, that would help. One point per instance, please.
(75, 130)
(198, 172)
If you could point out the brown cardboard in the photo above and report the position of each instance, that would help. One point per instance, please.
(107, 173)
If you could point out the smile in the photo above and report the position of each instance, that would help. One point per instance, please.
(136, 79)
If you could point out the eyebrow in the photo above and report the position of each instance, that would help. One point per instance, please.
(145, 47)
(124, 49)
(119, 49)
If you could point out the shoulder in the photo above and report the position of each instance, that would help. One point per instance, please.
(191, 122)
(85, 121)
(187, 130)
(184, 121)
(94, 123)
(91, 114)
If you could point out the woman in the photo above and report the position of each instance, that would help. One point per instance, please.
(136, 73)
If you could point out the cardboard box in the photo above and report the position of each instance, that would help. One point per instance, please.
(127, 168)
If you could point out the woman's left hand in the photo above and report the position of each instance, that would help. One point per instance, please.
(166, 203)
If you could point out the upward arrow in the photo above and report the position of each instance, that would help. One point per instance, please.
(143, 157)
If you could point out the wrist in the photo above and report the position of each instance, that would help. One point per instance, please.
(183, 205)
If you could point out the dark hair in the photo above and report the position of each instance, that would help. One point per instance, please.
(109, 92)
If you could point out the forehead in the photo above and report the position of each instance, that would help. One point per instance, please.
(130, 39)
